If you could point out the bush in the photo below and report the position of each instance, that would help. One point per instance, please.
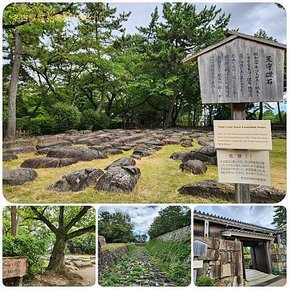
(205, 281)
(26, 245)
(65, 117)
(43, 124)
(94, 121)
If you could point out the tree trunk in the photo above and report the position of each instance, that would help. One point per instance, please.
(56, 261)
(14, 223)
(11, 126)
(279, 112)
(261, 111)
(169, 116)
(100, 104)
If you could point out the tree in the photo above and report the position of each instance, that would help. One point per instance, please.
(279, 218)
(170, 219)
(65, 223)
(115, 227)
(182, 30)
(25, 19)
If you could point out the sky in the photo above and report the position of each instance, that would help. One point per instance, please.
(257, 215)
(248, 17)
(141, 216)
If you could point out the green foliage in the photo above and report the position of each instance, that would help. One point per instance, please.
(115, 227)
(66, 117)
(205, 281)
(173, 257)
(33, 247)
(170, 219)
(43, 124)
(90, 119)
(279, 218)
(84, 244)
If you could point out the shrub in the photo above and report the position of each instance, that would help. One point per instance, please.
(65, 117)
(26, 245)
(94, 121)
(205, 281)
(43, 124)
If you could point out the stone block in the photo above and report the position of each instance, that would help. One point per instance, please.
(215, 272)
(223, 245)
(213, 254)
(226, 270)
(225, 257)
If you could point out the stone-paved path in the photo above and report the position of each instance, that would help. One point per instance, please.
(137, 269)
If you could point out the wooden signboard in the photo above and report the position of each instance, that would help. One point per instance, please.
(14, 267)
(243, 134)
(244, 167)
(242, 71)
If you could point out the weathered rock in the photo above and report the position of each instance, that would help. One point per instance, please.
(155, 143)
(78, 153)
(265, 194)
(9, 157)
(43, 151)
(122, 162)
(137, 157)
(21, 150)
(208, 189)
(212, 189)
(186, 143)
(125, 148)
(18, 176)
(209, 151)
(195, 155)
(113, 151)
(43, 145)
(18, 143)
(204, 142)
(48, 162)
(171, 140)
(77, 180)
(194, 166)
(179, 155)
(119, 179)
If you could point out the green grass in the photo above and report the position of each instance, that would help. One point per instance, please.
(159, 183)
(172, 257)
(113, 246)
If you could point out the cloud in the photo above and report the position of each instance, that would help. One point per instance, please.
(247, 17)
(141, 216)
(257, 215)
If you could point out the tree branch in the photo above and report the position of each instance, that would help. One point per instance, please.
(10, 26)
(80, 232)
(44, 220)
(61, 217)
(76, 218)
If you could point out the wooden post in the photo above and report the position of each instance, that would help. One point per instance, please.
(242, 191)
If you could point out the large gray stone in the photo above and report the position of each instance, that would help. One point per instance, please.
(57, 143)
(21, 150)
(195, 155)
(119, 179)
(18, 176)
(209, 151)
(9, 157)
(179, 155)
(77, 180)
(47, 162)
(208, 189)
(78, 153)
(194, 166)
(122, 162)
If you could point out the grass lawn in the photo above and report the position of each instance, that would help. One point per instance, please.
(159, 182)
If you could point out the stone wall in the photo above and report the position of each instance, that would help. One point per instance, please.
(177, 235)
(223, 261)
(278, 256)
(108, 257)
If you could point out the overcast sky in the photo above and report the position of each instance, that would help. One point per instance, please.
(141, 216)
(248, 17)
(258, 215)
